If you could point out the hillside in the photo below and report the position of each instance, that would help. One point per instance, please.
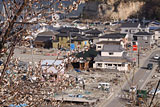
(121, 9)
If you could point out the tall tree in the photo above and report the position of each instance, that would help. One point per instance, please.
(17, 19)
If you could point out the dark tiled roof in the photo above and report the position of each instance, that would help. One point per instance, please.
(124, 25)
(91, 36)
(109, 42)
(62, 34)
(113, 35)
(111, 59)
(93, 31)
(142, 33)
(75, 34)
(112, 48)
(67, 34)
(46, 33)
(68, 29)
(43, 38)
(79, 38)
(90, 53)
(157, 29)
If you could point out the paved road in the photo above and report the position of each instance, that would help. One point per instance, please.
(140, 78)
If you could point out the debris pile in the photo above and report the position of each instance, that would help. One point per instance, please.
(30, 86)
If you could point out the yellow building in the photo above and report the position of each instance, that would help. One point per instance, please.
(62, 39)
(77, 39)
(80, 42)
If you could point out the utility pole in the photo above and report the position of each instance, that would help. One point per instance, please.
(154, 93)
(138, 57)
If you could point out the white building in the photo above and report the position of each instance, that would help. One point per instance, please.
(112, 57)
(129, 28)
(132, 28)
(100, 44)
(113, 38)
(157, 35)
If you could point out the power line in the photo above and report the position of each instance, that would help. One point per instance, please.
(154, 93)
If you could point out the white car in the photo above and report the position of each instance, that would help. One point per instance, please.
(133, 89)
(104, 85)
(156, 57)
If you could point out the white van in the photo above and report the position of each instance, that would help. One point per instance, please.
(104, 85)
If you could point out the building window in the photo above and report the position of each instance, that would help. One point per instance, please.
(115, 65)
(99, 46)
(110, 53)
(126, 30)
(135, 38)
(146, 42)
(99, 64)
(109, 64)
(119, 65)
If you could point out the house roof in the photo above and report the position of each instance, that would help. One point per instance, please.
(113, 35)
(79, 38)
(67, 34)
(93, 31)
(112, 48)
(46, 33)
(142, 34)
(92, 36)
(62, 34)
(76, 34)
(111, 59)
(90, 53)
(124, 25)
(109, 42)
(68, 29)
(43, 38)
(157, 29)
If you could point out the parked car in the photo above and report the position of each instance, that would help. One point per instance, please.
(150, 66)
(104, 85)
(156, 57)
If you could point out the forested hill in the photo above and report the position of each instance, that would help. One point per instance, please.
(122, 9)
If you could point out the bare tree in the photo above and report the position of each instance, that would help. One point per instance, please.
(18, 17)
